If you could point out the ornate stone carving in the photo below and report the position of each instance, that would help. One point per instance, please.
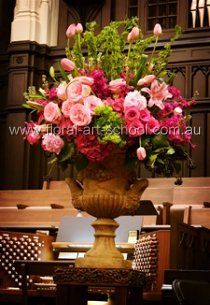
(106, 193)
(93, 276)
(36, 20)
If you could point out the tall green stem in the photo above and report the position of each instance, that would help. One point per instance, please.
(68, 52)
(127, 61)
(153, 51)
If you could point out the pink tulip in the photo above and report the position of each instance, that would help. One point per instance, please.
(67, 64)
(145, 81)
(79, 28)
(157, 30)
(71, 31)
(141, 153)
(134, 34)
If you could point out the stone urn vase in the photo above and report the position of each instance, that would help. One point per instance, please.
(108, 190)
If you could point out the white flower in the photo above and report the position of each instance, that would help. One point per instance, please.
(135, 98)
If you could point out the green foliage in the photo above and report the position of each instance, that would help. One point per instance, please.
(161, 61)
(108, 126)
(109, 51)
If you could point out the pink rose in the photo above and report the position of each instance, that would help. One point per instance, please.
(79, 28)
(157, 30)
(135, 98)
(52, 143)
(61, 91)
(132, 113)
(86, 90)
(144, 115)
(135, 128)
(80, 115)
(152, 125)
(52, 112)
(134, 34)
(71, 31)
(85, 80)
(91, 102)
(141, 153)
(67, 64)
(145, 81)
(66, 107)
(116, 85)
(74, 91)
(117, 104)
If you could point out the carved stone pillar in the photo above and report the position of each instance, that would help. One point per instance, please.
(34, 30)
(36, 20)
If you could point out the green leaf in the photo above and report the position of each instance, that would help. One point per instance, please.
(26, 106)
(35, 105)
(152, 159)
(37, 96)
(177, 167)
(53, 160)
(81, 163)
(66, 153)
(160, 141)
(171, 151)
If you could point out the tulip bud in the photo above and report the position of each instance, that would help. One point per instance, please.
(71, 31)
(52, 72)
(145, 81)
(79, 28)
(67, 64)
(141, 153)
(157, 30)
(134, 34)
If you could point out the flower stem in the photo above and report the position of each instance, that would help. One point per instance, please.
(153, 51)
(68, 52)
(127, 61)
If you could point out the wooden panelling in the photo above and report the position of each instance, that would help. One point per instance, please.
(15, 158)
(199, 154)
(17, 85)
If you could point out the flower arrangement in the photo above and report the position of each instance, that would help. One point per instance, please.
(109, 94)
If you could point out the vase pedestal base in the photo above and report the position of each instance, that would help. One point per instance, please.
(104, 253)
(96, 262)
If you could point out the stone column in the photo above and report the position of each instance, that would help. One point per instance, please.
(36, 20)
(34, 30)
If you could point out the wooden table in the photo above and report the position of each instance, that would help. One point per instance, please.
(123, 286)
